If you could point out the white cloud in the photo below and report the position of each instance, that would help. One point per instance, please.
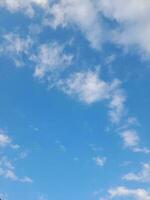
(4, 139)
(133, 26)
(6, 163)
(137, 194)
(26, 179)
(133, 21)
(24, 6)
(24, 154)
(15, 43)
(7, 170)
(117, 102)
(142, 176)
(89, 88)
(51, 58)
(10, 175)
(100, 161)
(15, 46)
(142, 150)
(86, 86)
(82, 14)
(131, 140)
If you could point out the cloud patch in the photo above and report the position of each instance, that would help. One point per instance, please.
(137, 194)
(50, 58)
(26, 7)
(131, 140)
(7, 170)
(15, 47)
(141, 176)
(81, 14)
(89, 88)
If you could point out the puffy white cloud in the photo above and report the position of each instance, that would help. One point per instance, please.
(133, 26)
(82, 14)
(133, 22)
(86, 86)
(50, 58)
(136, 194)
(131, 140)
(141, 176)
(133, 9)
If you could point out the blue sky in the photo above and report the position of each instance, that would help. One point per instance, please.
(74, 105)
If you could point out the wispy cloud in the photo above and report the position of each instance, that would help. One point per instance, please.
(6, 141)
(61, 146)
(100, 161)
(7, 170)
(141, 176)
(131, 140)
(88, 87)
(132, 25)
(15, 47)
(51, 58)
